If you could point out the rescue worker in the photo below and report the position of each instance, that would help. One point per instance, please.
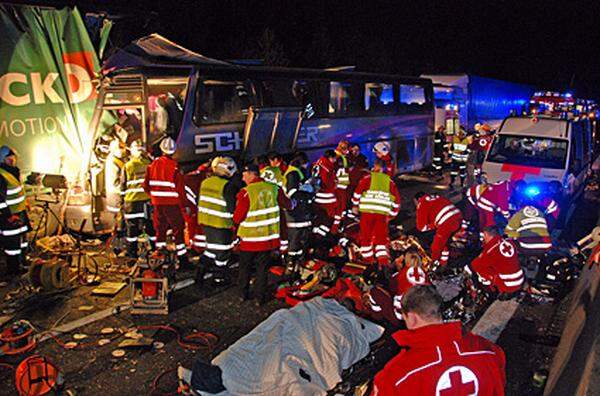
(460, 157)
(325, 204)
(137, 210)
(191, 182)
(216, 203)
(480, 146)
(377, 201)
(382, 151)
(164, 184)
(472, 195)
(342, 175)
(439, 144)
(493, 204)
(355, 155)
(439, 358)
(360, 169)
(387, 303)
(14, 222)
(298, 220)
(497, 268)
(257, 219)
(274, 171)
(530, 230)
(437, 213)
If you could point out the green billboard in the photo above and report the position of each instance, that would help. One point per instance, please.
(47, 96)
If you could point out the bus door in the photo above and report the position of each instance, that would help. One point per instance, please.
(271, 129)
(119, 118)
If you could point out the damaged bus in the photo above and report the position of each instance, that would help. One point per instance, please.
(155, 88)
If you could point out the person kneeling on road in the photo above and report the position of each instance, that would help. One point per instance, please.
(437, 213)
(439, 358)
(497, 268)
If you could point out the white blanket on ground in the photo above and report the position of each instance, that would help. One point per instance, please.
(297, 351)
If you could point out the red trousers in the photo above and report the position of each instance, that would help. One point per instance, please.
(439, 247)
(374, 238)
(167, 217)
(341, 196)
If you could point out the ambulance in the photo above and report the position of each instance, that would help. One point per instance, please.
(544, 151)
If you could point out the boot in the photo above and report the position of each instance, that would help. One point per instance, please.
(184, 263)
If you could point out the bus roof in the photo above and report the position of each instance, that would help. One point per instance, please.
(155, 54)
(540, 126)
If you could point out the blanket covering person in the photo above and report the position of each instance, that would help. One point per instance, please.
(297, 351)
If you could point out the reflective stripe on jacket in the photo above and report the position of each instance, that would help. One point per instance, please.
(212, 206)
(15, 195)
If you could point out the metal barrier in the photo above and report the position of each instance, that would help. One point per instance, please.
(571, 368)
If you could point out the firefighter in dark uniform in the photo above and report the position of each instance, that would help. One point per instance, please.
(14, 223)
(136, 203)
(460, 157)
(439, 144)
(298, 220)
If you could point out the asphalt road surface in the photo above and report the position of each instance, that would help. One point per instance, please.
(528, 335)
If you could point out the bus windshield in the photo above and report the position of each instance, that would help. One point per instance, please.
(541, 152)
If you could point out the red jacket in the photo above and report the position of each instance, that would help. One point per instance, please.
(496, 197)
(474, 193)
(326, 194)
(498, 266)
(164, 182)
(192, 183)
(551, 208)
(241, 210)
(365, 184)
(435, 211)
(386, 304)
(441, 360)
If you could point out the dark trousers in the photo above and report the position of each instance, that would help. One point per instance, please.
(13, 242)
(459, 168)
(138, 219)
(260, 263)
(218, 249)
(298, 238)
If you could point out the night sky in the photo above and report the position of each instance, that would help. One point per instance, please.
(552, 45)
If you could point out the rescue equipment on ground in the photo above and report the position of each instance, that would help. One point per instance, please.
(37, 376)
(150, 284)
(16, 339)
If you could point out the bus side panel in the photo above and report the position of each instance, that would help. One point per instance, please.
(410, 137)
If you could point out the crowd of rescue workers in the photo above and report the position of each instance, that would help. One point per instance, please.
(290, 213)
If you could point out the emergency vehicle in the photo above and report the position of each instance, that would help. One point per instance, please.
(542, 150)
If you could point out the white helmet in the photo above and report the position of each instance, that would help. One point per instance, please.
(382, 148)
(477, 127)
(223, 166)
(168, 146)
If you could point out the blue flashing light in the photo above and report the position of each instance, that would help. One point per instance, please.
(532, 191)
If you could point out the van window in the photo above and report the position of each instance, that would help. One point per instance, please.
(379, 98)
(532, 151)
(221, 102)
(344, 98)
